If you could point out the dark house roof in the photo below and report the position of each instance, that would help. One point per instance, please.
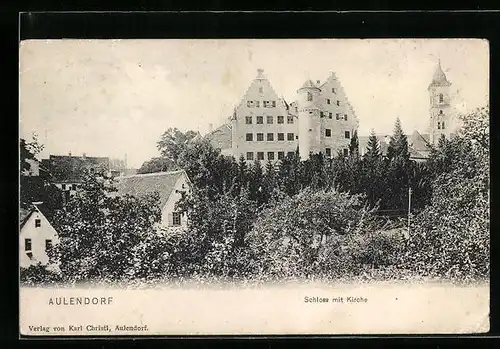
(417, 144)
(221, 137)
(64, 168)
(24, 214)
(142, 184)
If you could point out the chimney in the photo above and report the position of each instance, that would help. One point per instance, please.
(69, 153)
(317, 82)
(210, 127)
(84, 155)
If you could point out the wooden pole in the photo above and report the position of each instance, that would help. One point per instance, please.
(409, 209)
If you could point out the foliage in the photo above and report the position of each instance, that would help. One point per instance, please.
(288, 237)
(451, 236)
(99, 232)
(38, 274)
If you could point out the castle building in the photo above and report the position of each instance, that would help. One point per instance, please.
(265, 127)
(321, 119)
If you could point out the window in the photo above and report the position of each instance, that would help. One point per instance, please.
(330, 115)
(38, 223)
(328, 101)
(289, 119)
(260, 137)
(439, 125)
(440, 112)
(261, 90)
(338, 103)
(176, 219)
(270, 137)
(281, 155)
(274, 104)
(260, 155)
(249, 104)
(270, 155)
(442, 125)
(346, 152)
(257, 104)
(337, 116)
(264, 103)
(328, 152)
(347, 134)
(248, 120)
(333, 90)
(281, 119)
(289, 136)
(328, 132)
(63, 186)
(27, 244)
(249, 137)
(249, 155)
(320, 114)
(48, 244)
(260, 119)
(281, 136)
(269, 119)
(290, 154)
(345, 117)
(297, 137)
(309, 96)
(441, 98)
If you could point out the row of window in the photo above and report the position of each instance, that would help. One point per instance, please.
(269, 119)
(270, 137)
(270, 155)
(281, 154)
(328, 152)
(328, 133)
(27, 244)
(330, 116)
(289, 136)
(265, 104)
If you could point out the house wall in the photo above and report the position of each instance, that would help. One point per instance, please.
(38, 235)
(240, 128)
(182, 184)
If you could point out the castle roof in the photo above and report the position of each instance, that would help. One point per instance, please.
(309, 84)
(439, 77)
(141, 184)
(221, 137)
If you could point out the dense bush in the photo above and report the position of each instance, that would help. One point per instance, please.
(38, 274)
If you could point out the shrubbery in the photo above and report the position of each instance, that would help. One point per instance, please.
(312, 219)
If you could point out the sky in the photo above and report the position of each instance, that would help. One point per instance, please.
(116, 97)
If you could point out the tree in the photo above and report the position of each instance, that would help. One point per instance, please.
(354, 145)
(173, 142)
(158, 164)
(287, 238)
(372, 148)
(100, 233)
(398, 144)
(450, 237)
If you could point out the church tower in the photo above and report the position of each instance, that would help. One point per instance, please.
(440, 110)
(309, 119)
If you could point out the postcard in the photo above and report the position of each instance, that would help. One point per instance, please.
(254, 187)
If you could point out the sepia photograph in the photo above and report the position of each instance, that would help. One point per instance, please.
(254, 187)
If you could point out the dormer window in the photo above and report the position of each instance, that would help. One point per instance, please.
(440, 112)
(274, 104)
(441, 98)
(309, 96)
(338, 103)
(442, 125)
(333, 90)
(327, 101)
